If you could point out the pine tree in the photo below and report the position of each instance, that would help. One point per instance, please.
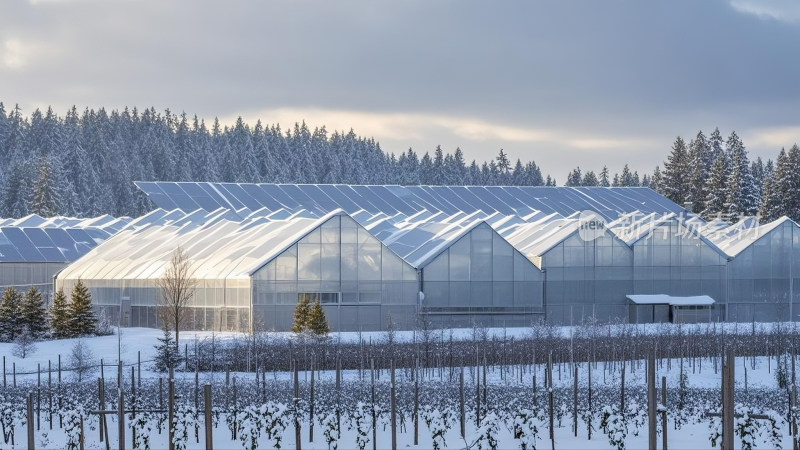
(11, 322)
(59, 315)
(717, 188)
(167, 354)
(676, 173)
(301, 314)
(657, 180)
(317, 322)
(604, 180)
(45, 194)
(741, 197)
(628, 179)
(34, 314)
(82, 320)
(589, 179)
(699, 160)
(574, 178)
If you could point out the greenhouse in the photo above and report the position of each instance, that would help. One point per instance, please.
(33, 249)
(446, 256)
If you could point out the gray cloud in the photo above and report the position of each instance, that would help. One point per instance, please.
(564, 83)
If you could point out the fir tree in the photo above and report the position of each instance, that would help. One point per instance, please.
(59, 315)
(604, 181)
(717, 188)
(317, 322)
(657, 181)
(45, 193)
(82, 320)
(167, 354)
(11, 321)
(301, 314)
(742, 199)
(589, 179)
(700, 165)
(34, 314)
(574, 178)
(676, 173)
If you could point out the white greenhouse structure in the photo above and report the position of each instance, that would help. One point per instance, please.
(453, 256)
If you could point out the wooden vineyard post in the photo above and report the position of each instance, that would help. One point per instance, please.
(297, 430)
(575, 401)
(208, 423)
(372, 400)
(50, 393)
(622, 389)
(4, 371)
(651, 402)
(550, 398)
(416, 404)
(338, 394)
(311, 405)
(102, 405)
(727, 401)
(477, 395)
(393, 408)
(31, 443)
(664, 413)
(133, 407)
(461, 414)
(589, 399)
(171, 409)
(121, 415)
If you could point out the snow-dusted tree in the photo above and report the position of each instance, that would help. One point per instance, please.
(59, 315)
(699, 166)
(24, 345)
(676, 173)
(574, 178)
(628, 179)
(81, 359)
(589, 179)
(317, 322)
(82, 320)
(34, 314)
(301, 314)
(717, 187)
(177, 289)
(742, 199)
(604, 180)
(11, 320)
(167, 354)
(657, 181)
(45, 192)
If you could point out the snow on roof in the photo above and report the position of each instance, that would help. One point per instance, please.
(662, 299)
(55, 239)
(521, 201)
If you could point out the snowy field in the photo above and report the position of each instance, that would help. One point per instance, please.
(262, 407)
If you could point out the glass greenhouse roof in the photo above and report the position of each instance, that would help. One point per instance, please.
(56, 239)
(609, 203)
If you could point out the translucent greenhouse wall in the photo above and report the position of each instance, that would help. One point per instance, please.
(482, 279)
(23, 275)
(587, 278)
(359, 281)
(764, 277)
(217, 305)
(672, 260)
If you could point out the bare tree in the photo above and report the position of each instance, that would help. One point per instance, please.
(177, 288)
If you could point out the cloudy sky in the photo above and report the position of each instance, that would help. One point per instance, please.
(562, 82)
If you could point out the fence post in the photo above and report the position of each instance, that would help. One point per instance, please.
(416, 404)
(393, 408)
(171, 409)
(651, 401)
(727, 401)
(372, 400)
(121, 415)
(297, 430)
(664, 413)
(550, 398)
(4, 371)
(101, 405)
(311, 405)
(461, 413)
(31, 443)
(208, 424)
(575, 401)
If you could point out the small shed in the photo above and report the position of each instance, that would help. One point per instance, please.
(658, 308)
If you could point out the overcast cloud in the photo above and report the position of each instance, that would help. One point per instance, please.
(560, 82)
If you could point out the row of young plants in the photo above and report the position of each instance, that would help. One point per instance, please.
(256, 413)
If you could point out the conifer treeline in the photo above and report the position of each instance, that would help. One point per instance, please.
(84, 163)
(715, 178)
